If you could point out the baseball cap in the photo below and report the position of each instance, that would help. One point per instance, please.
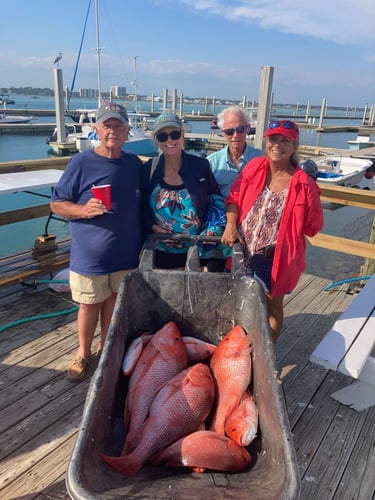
(112, 110)
(167, 119)
(286, 128)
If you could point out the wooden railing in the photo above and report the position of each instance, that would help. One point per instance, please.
(334, 194)
(352, 197)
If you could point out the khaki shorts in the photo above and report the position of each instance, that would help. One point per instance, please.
(95, 289)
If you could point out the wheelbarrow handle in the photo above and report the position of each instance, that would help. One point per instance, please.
(192, 261)
(195, 238)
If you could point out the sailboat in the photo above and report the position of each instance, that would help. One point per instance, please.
(138, 142)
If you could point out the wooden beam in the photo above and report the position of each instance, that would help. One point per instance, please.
(7, 167)
(24, 214)
(343, 245)
(347, 196)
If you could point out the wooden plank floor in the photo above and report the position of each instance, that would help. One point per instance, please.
(40, 409)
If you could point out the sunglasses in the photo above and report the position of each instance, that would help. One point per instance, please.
(239, 130)
(174, 135)
(287, 124)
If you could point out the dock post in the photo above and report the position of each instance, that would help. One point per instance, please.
(174, 100)
(264, 104)
(368, 267)
(371, 116)
(308, 111)
(364, 115)
(322, 112)
(165, 105)
(59, 103)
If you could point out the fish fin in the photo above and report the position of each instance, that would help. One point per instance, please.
(125, 465)
(198, 469)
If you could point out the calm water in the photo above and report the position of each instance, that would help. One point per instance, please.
(344, 221)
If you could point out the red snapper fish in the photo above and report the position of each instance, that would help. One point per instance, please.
(242, 424)
(198, 350)
(205, 450)
(178, 409)
(133, 352)
(163, 357)
(231, 366)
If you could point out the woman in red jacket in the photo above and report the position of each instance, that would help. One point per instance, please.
(272, 205)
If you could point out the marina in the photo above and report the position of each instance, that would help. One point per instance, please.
(41, 410)
(314, 388)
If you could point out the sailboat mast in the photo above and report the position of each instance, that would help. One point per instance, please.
(98, 50)
(135, 84)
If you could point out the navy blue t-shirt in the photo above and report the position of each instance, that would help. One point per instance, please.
(112, 241)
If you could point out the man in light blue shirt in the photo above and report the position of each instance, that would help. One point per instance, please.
(227, 163)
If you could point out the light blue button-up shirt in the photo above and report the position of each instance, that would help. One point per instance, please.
(225, 171)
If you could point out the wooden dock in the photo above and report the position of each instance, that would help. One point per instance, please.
(40, 410)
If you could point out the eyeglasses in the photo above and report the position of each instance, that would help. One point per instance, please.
(287, 124)
(174, 135)
(239, 130)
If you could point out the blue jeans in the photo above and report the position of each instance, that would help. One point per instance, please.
(260, 268)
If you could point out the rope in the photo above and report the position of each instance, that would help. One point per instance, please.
(349, 280)
(41, 316)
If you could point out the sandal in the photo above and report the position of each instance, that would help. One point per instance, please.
(98, 349)
(78, 368)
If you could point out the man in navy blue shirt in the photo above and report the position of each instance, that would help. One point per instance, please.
(105, 244)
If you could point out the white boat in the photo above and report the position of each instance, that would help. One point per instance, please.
(5, 99)
(362, 142)
(5, 118)
(342, 170)
(138, 142)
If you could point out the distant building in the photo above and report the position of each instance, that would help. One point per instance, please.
(88, 93)
(118, 92)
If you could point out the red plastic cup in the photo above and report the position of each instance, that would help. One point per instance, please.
(103, 193)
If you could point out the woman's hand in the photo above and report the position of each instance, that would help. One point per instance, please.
(231, 235)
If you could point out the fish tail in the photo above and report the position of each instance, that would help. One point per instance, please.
(125, 465)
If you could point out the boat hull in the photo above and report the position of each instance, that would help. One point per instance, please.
(342, 171)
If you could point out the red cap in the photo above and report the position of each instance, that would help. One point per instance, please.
(286, 128)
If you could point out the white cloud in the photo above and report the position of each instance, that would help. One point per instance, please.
(341, 21)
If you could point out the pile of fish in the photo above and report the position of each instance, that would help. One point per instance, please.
(188, 402)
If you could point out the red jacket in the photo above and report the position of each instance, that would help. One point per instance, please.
(302, 215)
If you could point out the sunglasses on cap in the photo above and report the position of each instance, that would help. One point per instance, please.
(239, 130)
(174, 135)
(287, 124)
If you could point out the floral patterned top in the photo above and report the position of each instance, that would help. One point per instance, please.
(261, 225)
(173, 209)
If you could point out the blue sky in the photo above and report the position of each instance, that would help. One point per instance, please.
(318, 48)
